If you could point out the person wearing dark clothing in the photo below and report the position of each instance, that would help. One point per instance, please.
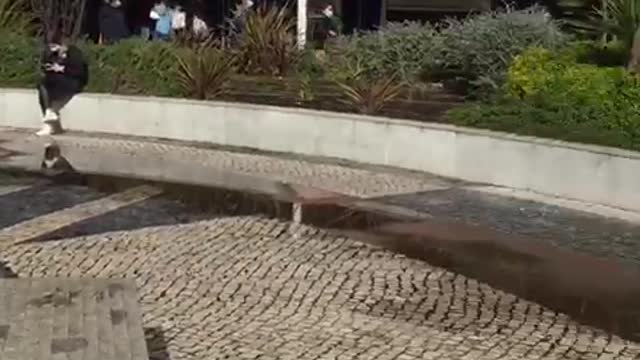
(140, 17)
(330, 25)
(113, 22)
(65, 74)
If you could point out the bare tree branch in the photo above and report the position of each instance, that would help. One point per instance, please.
(65, 16)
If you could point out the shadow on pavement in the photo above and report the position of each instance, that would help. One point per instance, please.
(156, 344)
(39, 200)
(6, 272)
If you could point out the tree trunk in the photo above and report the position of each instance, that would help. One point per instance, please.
(634, 59)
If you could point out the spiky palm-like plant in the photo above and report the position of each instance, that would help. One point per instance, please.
(15, 17)
(266, 44)
(611, 19)
(204, 72)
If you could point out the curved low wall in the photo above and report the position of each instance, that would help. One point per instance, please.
(587, 173)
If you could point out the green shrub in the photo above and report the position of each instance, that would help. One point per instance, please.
(584, 125)
(480, 48)
(550, 94)
(399, 50)
(476, 50)
(602, 54)
(133, 66)
(530, 71)
(129, 67)
(559, 78)
(19, 61)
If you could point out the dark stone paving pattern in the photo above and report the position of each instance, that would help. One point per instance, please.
(91, 319)
(579, 231)
(153, 212)
(39, 200)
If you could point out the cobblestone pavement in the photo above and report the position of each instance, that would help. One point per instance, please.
(247, 287)
(341, 179)
(575, 230)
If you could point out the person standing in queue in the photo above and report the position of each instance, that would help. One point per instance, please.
(162, 17)
(113, 24)
(65, 73)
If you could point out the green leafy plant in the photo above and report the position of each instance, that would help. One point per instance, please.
(611, 53)
(531, 71)
(266, 45)
(15, 17)
(133, 66)
(480, 48)
(549, 94)
(617, 20)
(400, 50)
(558, 76)
(621, 19)
(204, 73)
(542, 119)
(19, 61)
(574, 13)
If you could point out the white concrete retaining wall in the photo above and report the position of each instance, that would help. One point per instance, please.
(586, 173)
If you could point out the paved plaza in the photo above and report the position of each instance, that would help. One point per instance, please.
(213, 286)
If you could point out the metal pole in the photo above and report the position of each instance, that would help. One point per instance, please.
(302, 24)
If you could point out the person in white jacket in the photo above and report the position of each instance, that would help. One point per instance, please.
(200, 28)
(178, 19)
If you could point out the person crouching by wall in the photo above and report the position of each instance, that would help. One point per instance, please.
(64, 74)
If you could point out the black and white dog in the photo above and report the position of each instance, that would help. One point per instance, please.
(65, 74)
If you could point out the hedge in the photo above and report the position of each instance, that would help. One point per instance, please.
(477, 49)
(551, 94)
(131, 67)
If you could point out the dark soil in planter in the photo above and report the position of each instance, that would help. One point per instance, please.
(428, 105)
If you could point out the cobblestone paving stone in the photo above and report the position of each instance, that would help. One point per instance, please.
(249, 287)
(575, 230)
(342, 179)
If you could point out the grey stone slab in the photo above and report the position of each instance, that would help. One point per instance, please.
(56, 318)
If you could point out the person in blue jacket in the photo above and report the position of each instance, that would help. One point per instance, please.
(162, 16)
